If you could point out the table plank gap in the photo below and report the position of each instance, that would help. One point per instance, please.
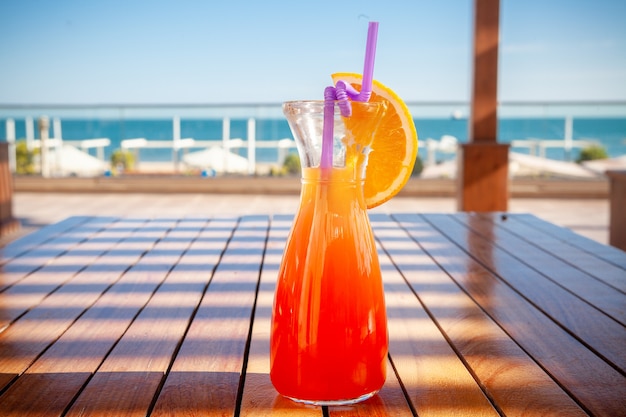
(610, 254)
(205, 254)
(598, 294)
(581, 372)
(491, 358)
(258, 394)
(514, 381)
(126, 382)
(609, 271)
(40, 236)
(207, 370)
(416, 382)
(50, 270)
(62, 370)
(45, 323)
(17, 268)
(163, 316)
(592, 327)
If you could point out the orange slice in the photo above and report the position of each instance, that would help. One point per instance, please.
(393, 148)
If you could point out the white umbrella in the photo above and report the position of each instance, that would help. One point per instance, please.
(600, 166)
(218, 159)
(522, 164)
(71, 161)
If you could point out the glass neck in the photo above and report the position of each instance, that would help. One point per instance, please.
(334, 184)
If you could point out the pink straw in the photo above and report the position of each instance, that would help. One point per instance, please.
(345, 92)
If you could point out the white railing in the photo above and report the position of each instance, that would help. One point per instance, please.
(430, 148)
(49, 165)
(181, 147)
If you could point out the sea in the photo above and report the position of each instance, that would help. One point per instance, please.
(610, 132)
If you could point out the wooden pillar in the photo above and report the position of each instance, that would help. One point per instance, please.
(617, 219)
(8, 224)
(483, 168)
(483, 163)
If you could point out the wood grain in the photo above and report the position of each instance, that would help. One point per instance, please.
(205, 376)
(128, 379)
(589, 325)
(259, 396)
(605, 263)
(32, 240)
(608, 253)
(426, 363)
(585, 375)
(43, 324)
(510, 379)
(79, 351)
(489, 314)
(536, 249)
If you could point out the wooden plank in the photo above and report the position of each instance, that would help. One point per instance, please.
(610, 254)
(389, 401)
(259, 396)
(28, 242)
(42, 325)
(587, 377)
(126, 383)
(509, 377)
(532, 250)
(427, 365)
(51, 383)
(585, 322)
(43, 270)
(30, 256)
(205, 376)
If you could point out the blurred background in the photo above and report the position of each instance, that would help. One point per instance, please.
(188, 87)
(108, 73)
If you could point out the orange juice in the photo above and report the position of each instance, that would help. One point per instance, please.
(329, 327)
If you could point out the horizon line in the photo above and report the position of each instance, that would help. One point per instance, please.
(276, 104)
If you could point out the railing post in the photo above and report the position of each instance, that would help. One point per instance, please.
(225, 140)
(568, 137)
(176, 142)
(251, 146)
(30, 133)
(44, 126)
(57, 135)
(10, 134)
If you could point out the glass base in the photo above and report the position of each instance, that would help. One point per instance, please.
(335, 402)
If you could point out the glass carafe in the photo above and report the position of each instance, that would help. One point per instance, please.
(329, 326)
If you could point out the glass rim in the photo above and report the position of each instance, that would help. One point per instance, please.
(323, 102)
(317, 106)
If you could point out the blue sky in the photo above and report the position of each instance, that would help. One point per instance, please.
(238, 51)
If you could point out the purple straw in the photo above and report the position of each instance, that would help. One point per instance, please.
(327, 132)
(368, 67)
(344, 92)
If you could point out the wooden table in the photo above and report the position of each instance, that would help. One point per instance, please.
(489, 314)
